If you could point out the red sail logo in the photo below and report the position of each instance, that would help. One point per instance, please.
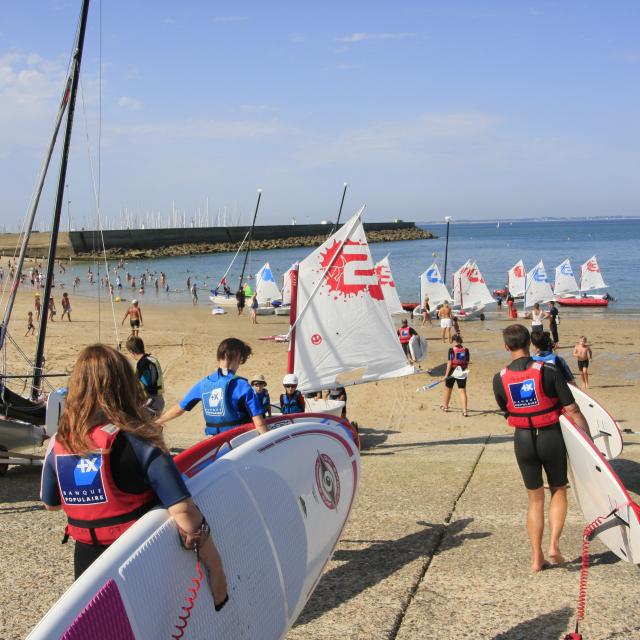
(351, 272)
(518, 271)
(384, 275)
(592, 266)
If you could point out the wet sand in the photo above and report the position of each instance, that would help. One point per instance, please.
(436, 545)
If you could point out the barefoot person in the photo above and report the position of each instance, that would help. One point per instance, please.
(444, 313)
(227, 399)
(31, 329)
(66, 307)
(149, 373)
(533, 395)
(405, 333)
(105, 428)
(457, 371)
(426, 311)
(582, 351)
(134, 313)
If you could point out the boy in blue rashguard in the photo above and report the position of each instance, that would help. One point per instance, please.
(228, 400)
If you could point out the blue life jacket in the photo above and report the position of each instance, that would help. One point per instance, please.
(291, 404)
(219, 413)
(546, 356)
(263, 399)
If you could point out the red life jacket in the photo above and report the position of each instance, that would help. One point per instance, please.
(97, 511)
(527, 404)
(460, 358)
(405, 334)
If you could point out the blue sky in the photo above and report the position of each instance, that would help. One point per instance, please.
(470, 109)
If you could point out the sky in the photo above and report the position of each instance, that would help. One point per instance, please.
(426, 109)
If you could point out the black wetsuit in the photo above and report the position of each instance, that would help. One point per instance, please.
(536, 449)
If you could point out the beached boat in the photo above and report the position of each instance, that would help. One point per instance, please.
(469, 292)
(383, 271)
(537, 288)
(590, 280)
(432, 285)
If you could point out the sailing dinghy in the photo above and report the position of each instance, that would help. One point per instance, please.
(537, 289)
(383, 271)
(470, 292)
(590, 280)
(267, 291)
(432, 285)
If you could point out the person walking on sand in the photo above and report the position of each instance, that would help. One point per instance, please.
(66, 307)
(457, 370)
(554, 320)
(254, 308)
(228, 400)
(134, 313)
(108, 465)
(426, 310)
(582, 351)
(52, 309)
(149, 373)
(532, 396)
(31, 328)
(194, 294)
(444, 313)
(240, 300)
(38, 306)
(405, 333)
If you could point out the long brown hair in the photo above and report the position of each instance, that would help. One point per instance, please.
(103, 386)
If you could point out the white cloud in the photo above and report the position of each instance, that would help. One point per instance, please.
(228, 19)
(132, 104)
(361, 37)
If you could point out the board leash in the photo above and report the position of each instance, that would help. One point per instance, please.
(587, 535)
(190, 601)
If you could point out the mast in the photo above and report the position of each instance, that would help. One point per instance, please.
(75, 77)
(293, 312)
(4, 327)
(253, 224)
(336, 225)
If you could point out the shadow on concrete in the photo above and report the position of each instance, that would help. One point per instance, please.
(364, 568)
(628, 471)
(372, 438)
(545, 626)
(391, 449)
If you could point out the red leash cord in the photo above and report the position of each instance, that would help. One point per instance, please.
(190, 600)
(582, 594)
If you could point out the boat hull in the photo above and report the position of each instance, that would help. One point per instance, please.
(583, 302)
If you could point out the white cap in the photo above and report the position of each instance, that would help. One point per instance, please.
(134, 301)
(290, 378)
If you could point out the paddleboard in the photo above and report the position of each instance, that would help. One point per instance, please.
(603, 428)
(418, 348)
(599, 492)
(277, 504)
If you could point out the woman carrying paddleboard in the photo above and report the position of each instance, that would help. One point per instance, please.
(533, 395)
(108, 465)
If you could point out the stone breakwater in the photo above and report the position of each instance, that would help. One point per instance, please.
(189, 249)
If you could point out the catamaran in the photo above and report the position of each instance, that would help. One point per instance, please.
(590, 280)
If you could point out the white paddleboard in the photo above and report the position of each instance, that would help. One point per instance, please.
(277, 505)
(603, 428)
(599, 491)
(418, 348)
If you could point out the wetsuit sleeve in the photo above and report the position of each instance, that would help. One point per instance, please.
(412, 331)
(498, 392)
(243, 395)
(555, 386)
(194, 395)
(49, 491)
(450, 354)
(159, 471)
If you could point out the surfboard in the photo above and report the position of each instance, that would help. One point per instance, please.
(601, 494)
(602, 426)
(277, 504)
(418, 348)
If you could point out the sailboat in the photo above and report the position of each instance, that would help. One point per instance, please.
(516, 280)
(224, 299)
(590, 280)
(470, 292)
(27, 422)
(267, 290)
(383, 271)
(341, 332)
(537, 287)
(565, 282)
(432, 285)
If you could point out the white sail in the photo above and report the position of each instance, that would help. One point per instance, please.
(266, 286)
(344, 333)
(477, 293)
(591, 277)
(383, 271)
(432, 285)
(565, 280)
(457, 290)
(517, 277)
(286, 288)
(538, 288)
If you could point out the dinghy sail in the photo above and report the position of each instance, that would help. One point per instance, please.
(470, 289)
(338, 314)
(266, 286)
(383, 271)
(565, 281)
(432, 285)
(591, 276)
(516, 277)
(538, 288)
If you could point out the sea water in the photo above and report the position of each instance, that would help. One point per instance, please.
(495, 247)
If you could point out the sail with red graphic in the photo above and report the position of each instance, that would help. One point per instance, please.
(591, 276)
(516, 280)
(383, 271)
(565, 281)
(458, 284)
(286, 288)
(538, 288)
(470, 291)
(343, 333)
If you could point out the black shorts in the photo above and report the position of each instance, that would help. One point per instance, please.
(405, 348)
(134, 323)
(84, 555)
(462, 382)
(536, 449)
(583, 364)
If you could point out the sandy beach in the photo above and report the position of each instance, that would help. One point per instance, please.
(436, 545)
